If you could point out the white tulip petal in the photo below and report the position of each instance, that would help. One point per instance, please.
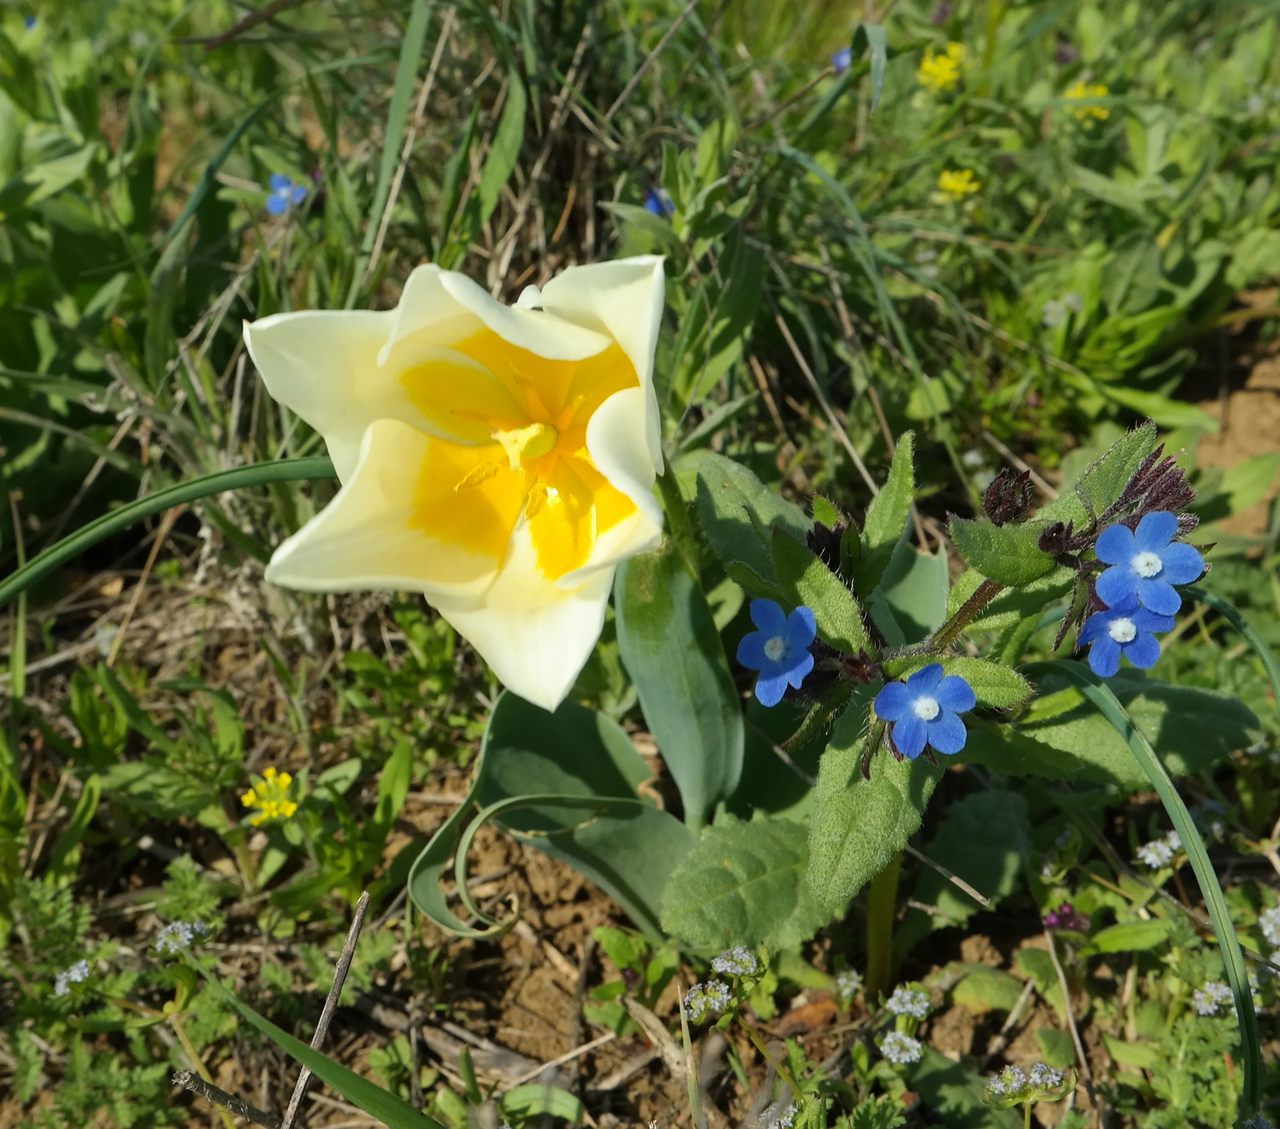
(322, 365)
(622, 300)
(536, 636)
(367, 537)
(445, 307)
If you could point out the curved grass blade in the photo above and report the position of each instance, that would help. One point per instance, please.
(71, 546)
(1107, 704)
(391, 1110)
(1232, 614)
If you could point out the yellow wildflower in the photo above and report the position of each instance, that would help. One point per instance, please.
(940, 70)
(1080, 91)
(956, 184)
(271, 797)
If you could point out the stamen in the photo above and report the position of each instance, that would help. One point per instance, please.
(524, 443)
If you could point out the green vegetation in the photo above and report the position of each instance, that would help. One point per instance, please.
(995, 233)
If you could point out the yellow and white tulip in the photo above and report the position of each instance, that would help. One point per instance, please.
(498, 459)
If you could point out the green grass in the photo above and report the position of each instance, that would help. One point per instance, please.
(822, 299)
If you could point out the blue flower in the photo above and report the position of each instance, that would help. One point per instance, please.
(842, 60)
(1127, 629)
(659, 203)
(923, 711)
(779, 650)
(284, 194)
(1146, 564)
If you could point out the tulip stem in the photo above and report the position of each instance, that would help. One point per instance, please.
(679, 523)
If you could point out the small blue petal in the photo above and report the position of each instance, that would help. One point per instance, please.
(299, 193)
(1143, 651)
(769, 690)
(892, 702)
(279, 182)
(658, 203)
(1155, 531)
(955, 694)
(802, 628)
(925, 680)
(910, 735)
(769, 617)
(1156, 595)
(1104, 657)
(800, 670)
(1115, 585)
(947, 733)
(1146, 620)
(1115, 545)
(277, 203)
(1182, 563)
(751, 650)
(842, 60)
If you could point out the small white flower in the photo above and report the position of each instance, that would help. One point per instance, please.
(1269, 923)
(703, 1001)
(1045, 1077)
(908, 1001)
(78, 973)
(178, 935)
(738, 961)
(1210, 997)
(1156, 854)
(900, 1048)
(1052, 314)
(1073, 301)
(847, 984)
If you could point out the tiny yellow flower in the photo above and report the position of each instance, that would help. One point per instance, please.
(956, 184)
(271, 797)
(1080, 91)
(940, 70)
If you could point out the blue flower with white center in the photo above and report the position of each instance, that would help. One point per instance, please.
(779, 650)
(923, 711)
(284, 194)
(1127, 629)
(659, 203)
(1146, 563)
(842, 60)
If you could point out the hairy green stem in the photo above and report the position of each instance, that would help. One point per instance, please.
(882, 905)
(965, 614)
(679, 523)
(71, 546)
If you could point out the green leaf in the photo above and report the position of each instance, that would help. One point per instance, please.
(887, 517)
(1102, 482)
(1056, 1048)
(873, 39)
(505, 149)
(738, 515)
(983, 989)
(1144, 1056)
(1038, 965)
(1131, 937)
(743, 884)
(952, 1093)
(566, 783)
(1062, 738)
(1007, 554)
(804, 579)
(373, 1100)
(994, 684)
(983, 839)
(858, 825)
(670, 646)
(911, 600)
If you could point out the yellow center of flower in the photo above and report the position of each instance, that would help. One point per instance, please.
(516, 449)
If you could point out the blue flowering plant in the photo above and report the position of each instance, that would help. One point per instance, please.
(283, 194)
(779, 649)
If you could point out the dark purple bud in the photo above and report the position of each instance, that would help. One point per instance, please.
(941, 13)
(1065, 53)
(1009, 496)
(824, 543)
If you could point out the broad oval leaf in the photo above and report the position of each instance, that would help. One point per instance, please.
(672, 651)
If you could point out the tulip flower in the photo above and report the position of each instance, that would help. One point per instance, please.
(498, 459)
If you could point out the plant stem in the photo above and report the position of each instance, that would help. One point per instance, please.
(965, 614)
(679, 523)
(882, 904)
(1026, 1115)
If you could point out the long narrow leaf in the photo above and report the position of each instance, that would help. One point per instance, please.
(71, 546)
(373, 1100)
(1232, 614)
(1107, 704)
